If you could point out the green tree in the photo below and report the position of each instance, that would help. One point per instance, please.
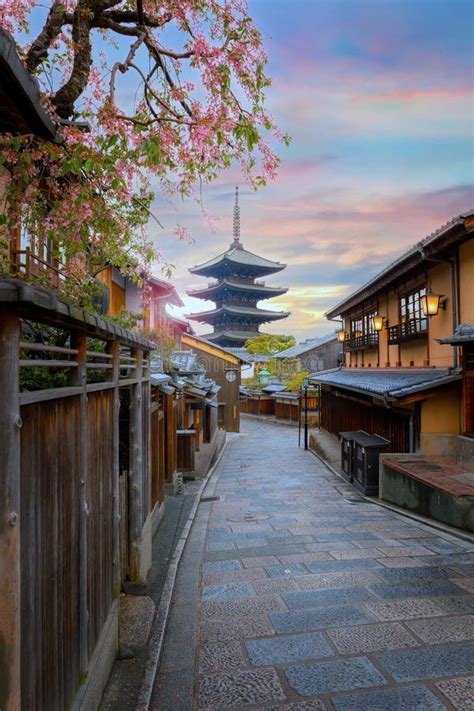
(268, 343)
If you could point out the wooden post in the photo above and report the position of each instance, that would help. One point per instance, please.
(10, 572)
(79, 379)
(147, 468)
(113, 347)
(136, 469)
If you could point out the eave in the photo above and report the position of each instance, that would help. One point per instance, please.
(261, 291)
(254, 313)
(20, 96)
(214, 266)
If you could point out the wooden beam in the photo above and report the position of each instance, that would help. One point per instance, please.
(78, 379)
(136, 470)
(113, 349)
(10, 528)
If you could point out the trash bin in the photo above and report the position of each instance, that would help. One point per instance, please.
(367, 449)
(347, 452)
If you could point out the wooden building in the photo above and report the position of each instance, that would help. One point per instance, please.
(199, 439)
(408, 341)
(77, 503)
(224, 368)
(313, 355)
(399, 374)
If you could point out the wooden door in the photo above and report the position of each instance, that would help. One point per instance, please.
(468, 389)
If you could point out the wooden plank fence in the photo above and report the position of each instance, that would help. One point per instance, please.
(64, 550)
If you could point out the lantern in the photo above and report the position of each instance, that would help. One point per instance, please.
(341, 335)
(378, 323)
(263, 377)
(430, 303)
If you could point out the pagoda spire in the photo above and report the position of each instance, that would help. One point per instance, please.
(236, 244)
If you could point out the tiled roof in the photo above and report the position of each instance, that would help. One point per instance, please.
(241, 286)
(306, 346)
(386, 382)
(274, 388)
(239, 353)
(240, 256)
(249, 357)
(464, 333)
(186, 362)
(231, 335)
(241, 311)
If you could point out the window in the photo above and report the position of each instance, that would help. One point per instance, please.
(410, 309)
(363, 325)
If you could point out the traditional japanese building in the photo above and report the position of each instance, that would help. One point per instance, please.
(236, 292)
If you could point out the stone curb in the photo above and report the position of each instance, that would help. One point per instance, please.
(161, 615)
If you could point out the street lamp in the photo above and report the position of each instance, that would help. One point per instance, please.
(431, 303)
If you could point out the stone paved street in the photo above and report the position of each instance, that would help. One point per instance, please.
(294, 593)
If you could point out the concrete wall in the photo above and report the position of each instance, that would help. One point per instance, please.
(408, 493)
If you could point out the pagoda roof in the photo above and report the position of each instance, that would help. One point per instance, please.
(238, 286)
(264, 315)
(239, 336)
(236, 255)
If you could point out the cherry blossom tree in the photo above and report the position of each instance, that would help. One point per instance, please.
(173, 89)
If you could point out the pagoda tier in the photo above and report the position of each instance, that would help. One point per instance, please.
(237, 262)
(235, 292)
(228, 289)
(228, 313)
(230, 339)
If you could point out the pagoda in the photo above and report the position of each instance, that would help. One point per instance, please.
(235, 292)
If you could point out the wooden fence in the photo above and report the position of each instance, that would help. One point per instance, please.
(344, 414)
(71, 522)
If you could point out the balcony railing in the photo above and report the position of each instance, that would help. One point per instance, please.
(414, 328)
(361, 343)
(25, 261)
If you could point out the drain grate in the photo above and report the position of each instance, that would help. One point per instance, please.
(205, 499)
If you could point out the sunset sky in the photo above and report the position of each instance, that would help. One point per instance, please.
(376, 95)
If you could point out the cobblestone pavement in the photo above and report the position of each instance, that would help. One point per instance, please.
(296, 594)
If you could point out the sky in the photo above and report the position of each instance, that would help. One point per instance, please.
(377, 96)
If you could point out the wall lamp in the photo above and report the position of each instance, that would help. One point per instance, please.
(378, 323)
(341, 335)
(431, 303)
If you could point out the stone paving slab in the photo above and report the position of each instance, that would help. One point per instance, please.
(310, 600)
(236, 628)
(429, 662)
(405, 609)
(325, 677)
(460, 692)
(221, 657)
(337, 580)
(245, 687)
(432, 588)
(446, 629)
(290, 648)
(226, 591)
(330, 596)
(372, 638)
(407, 698)
(312, 619)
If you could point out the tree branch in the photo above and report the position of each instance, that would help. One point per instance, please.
(52, 28)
